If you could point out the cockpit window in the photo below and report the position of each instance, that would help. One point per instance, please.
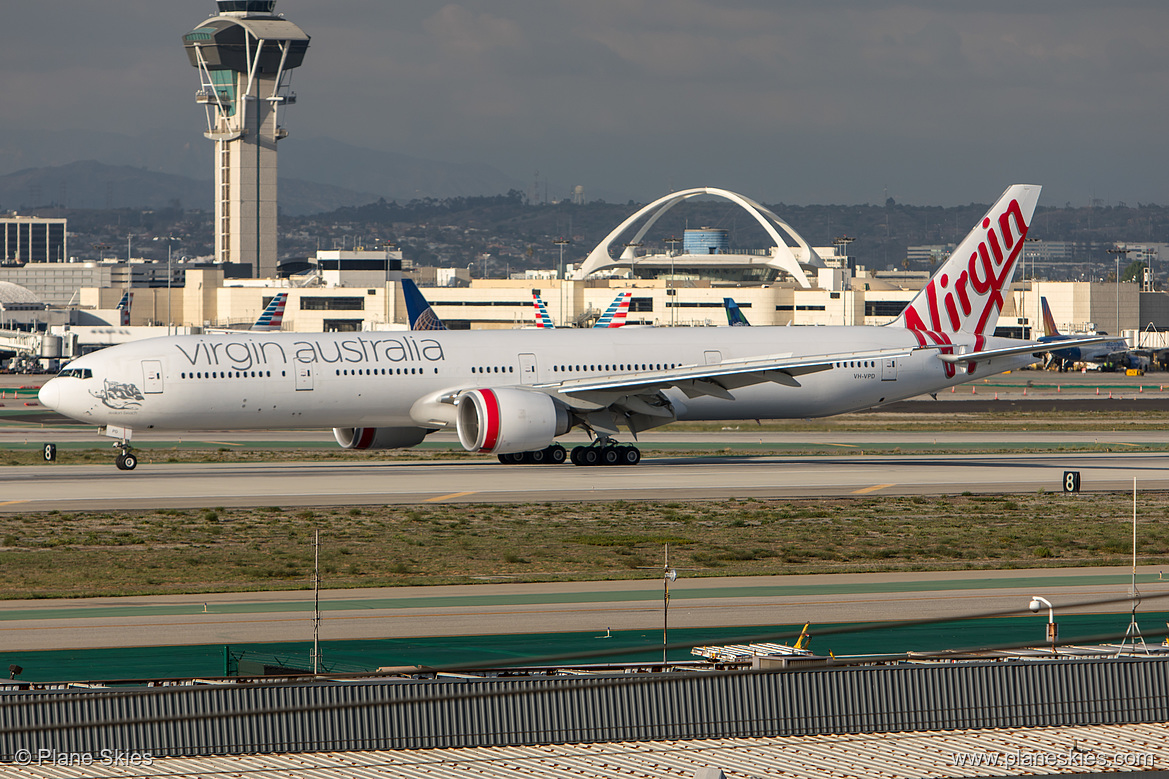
(76, 373)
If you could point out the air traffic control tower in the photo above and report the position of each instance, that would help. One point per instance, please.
(245, 56)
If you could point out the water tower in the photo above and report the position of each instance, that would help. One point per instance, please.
(245, 56)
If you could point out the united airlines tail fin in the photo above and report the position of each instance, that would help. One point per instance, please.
(543, 321)
(272, 316)
(615, 314)
(421, 315)
(124, 307)
(735, 316)
(1049, 328)
(966, 293)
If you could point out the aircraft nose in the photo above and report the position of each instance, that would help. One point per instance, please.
(50, 394)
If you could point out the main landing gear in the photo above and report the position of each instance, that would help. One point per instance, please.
(126, 460)
(551, 455)
(609, 453)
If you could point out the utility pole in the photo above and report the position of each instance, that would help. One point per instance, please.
(316, 602)
(562, 242)
(668, 575)
(1118, 253)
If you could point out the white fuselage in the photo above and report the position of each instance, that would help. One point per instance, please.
(382, 379)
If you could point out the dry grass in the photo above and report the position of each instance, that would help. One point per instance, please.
(55, 554)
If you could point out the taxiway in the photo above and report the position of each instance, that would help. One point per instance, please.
(175, 485)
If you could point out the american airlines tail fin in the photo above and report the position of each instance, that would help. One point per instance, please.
(418, 310)
(735, 315)
(124, 307)
(966, 293)
(1049, 328)
(543, 321)
(273, 314)
(615, 314)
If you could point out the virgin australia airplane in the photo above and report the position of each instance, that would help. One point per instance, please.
(513, 392)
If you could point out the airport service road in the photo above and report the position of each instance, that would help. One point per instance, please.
(491, 609)
(103, 487)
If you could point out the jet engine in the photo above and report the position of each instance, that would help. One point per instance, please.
(379, 437)
(503, 421)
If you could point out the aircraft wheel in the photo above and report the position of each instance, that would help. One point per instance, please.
(504, 458)
(575, 455)
(630, 456)
(539, 457)
(611, 455)
(120, 461)
(590, 456)
(131, 461)
(556, 454)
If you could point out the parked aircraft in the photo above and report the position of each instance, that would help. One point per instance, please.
(614, 315)
(273, 314)
(543, 319)
(1112, 351)
(512, 393)
(418, 310)
(735, 315)
(124, 307)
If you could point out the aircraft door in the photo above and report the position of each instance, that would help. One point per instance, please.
(304, 376)
(889, 369)
(527, 369)
(152, 376)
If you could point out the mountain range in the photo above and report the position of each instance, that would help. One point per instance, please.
(78, 169)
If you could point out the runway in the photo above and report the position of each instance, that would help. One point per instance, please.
(570, 607)
(172, 485)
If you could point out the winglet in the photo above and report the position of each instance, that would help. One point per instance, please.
(966, 295)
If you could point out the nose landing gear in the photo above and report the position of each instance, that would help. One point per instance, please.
(126, 459)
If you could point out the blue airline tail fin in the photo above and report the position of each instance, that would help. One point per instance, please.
(735, 316)
(421, 315)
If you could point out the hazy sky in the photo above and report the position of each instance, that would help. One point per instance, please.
(801, 102)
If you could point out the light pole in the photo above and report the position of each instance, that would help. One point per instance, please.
(1026, 318)
(668, 575)
(672, 242)
(841, 243)
(1052, 629)
(632, 249)
(170, 274)
(1117, 252)
(562, 242)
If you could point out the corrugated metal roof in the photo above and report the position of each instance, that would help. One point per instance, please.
(871, 756)
(391, 714)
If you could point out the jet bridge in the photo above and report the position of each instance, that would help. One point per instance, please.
(46, 349)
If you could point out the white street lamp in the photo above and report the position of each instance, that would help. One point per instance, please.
(668, 575)
(1052, 629)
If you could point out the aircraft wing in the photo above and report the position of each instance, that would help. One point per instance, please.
(697, 380)
(1030, 348)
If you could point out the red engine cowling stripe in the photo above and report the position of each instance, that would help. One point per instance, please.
(365, 437)
(491, 423)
